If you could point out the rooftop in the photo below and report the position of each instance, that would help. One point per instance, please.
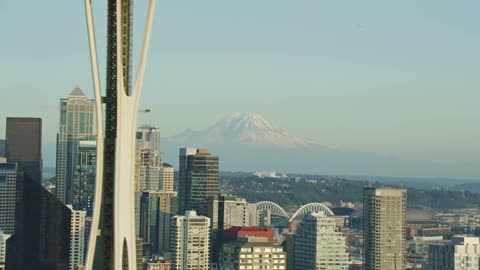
(249, 229)
(8, 166)
(77, 92)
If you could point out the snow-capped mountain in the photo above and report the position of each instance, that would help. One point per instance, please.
(248, 142)
(241, 128)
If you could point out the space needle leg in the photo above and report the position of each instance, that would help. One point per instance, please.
(95, 231)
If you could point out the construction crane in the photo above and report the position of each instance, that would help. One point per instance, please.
(144, 111)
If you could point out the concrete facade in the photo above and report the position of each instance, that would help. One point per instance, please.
(3, 246)
(77, 238)
(190, 239)
(319, 244)
(253, 252)
(384, 225)
(148, 159)
(167, 177)
(8, 185)
(157, 208)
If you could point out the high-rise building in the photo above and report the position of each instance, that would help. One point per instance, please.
(167, 177)
(418, 249)
(2, 148)
(139, 253)
(157, 208)
(8, 185)
(84, 176)
(147, 170)
(253, 252)
(24, 145)
(148, 158)
(461, 253)
(319, 244)
(384, 225)
(42, 229)
(198, 179)
(76, 123)
(190, 242)
(224, 211)
(3, 245)
(88, 227)
(168, 206)
(289, 246)
(148, 137)
(253, 215)
(467, 252)
(77, 238)
(182, 181)
(441, 256)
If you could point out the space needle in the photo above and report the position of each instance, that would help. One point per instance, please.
(112, 238)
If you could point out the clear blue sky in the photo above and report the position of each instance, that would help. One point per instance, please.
(399, 78)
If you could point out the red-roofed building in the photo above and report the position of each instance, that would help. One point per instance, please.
(232, 234)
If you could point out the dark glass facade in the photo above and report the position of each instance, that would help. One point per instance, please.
(157, 208)
(24, 145)
(2, 148)
(76, 124)
(84, 176)
(198, 180)
(224, 212)
(42, 230)
(8, 188)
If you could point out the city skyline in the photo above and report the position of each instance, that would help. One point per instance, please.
(374, 82)
(271, 135)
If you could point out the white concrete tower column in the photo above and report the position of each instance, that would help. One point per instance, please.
(123, 240)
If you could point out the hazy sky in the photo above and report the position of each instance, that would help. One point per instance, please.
(394, 77)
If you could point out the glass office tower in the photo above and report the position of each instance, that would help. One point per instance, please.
(41, 240)
(76, 123)
(198, 179)
(24, 145)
